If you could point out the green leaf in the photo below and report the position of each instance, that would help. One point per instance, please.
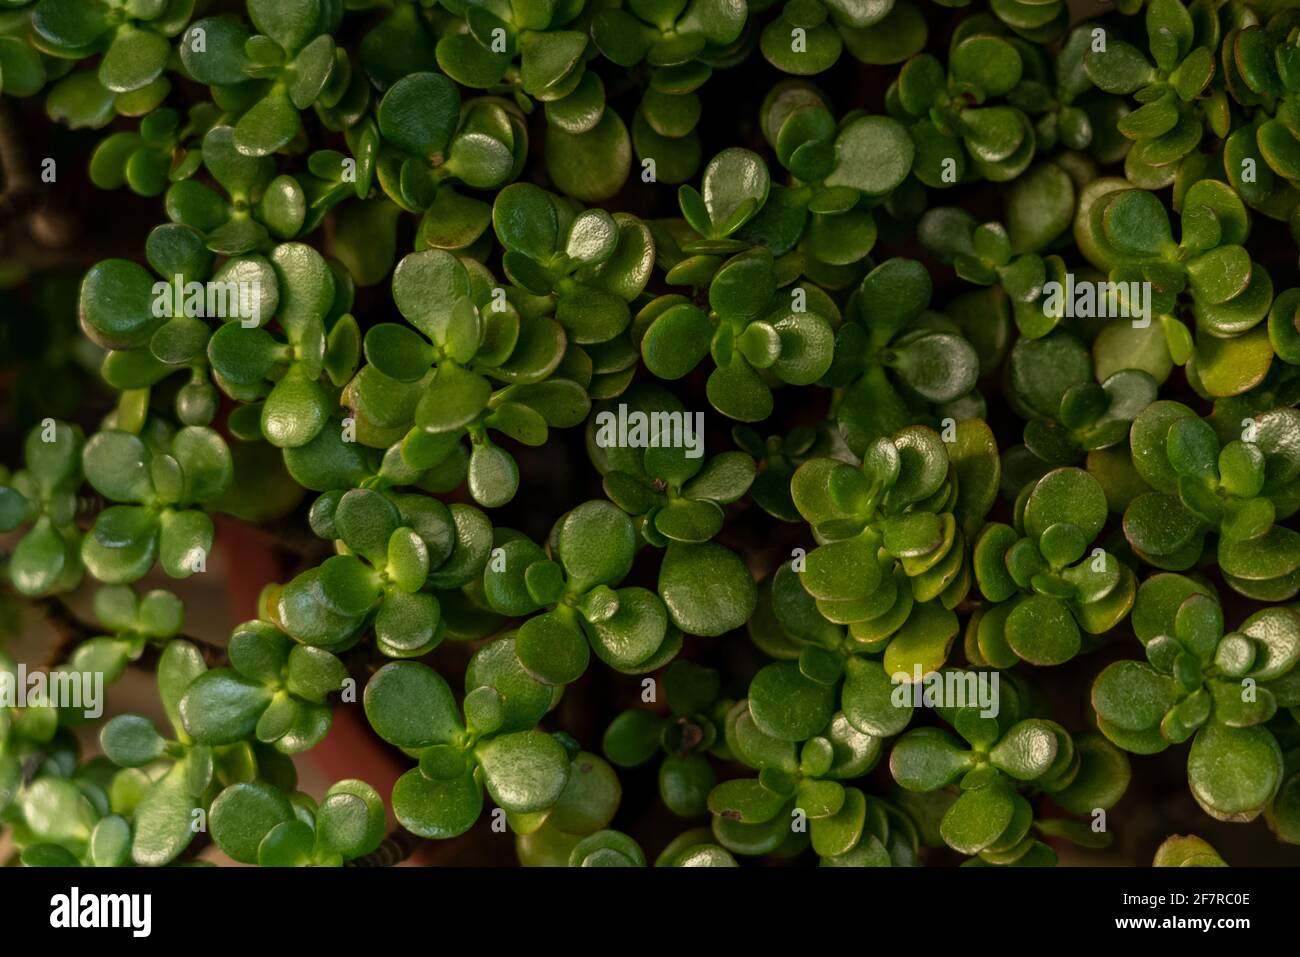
(122, 544)
(116, 304)
(596, 545)
(1186, 851)
(978, 818)
(68, 24)
(110, 842)
(525, 700)
(870, 699)
(289, 24)
(590, 798)
(419, 113)
(163, 820)
(1132, 695)
(295, 411)
(745, 800)
(1041, 630)
(1066, 495)
(81, 101)
(524, 771)
(222, 61)
(1276, 634)
(788, 705)
(734, 188)
(873, 154)
(632, 738)
(591, 166)
(288, 844)
(938, 366)
(243, 814)
(676, 341)
(1234, 772)
(706, 588)
(1118, 68)
(221, 707)
(524, 219)
(407, 623)
(1102, 778)
(453, 399)
(409, 705)
(841, 832)
(268, 126)
(634, 632)
(437, 809)
(552, 649)
(131, 741)
(928, 759)
(738, 392)
(607, 849)
(134, 59)
(313, 672)
(1040, 206)
(1028, 750)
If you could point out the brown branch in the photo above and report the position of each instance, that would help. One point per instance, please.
(72, 631)
(69, 629)
(214, 656)
(395, 849)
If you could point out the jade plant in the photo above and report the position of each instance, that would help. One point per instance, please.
(674, 433)
(493, 746)
(1244, 489)
(953, 115)
(1044, 584)
(42, 499)
(896, 358)
(1201, 683)
(992, 820)
(686, 738)
(1178, 103)
(1127, 232)
(629, 628)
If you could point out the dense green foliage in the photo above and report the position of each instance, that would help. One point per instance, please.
(420, 214)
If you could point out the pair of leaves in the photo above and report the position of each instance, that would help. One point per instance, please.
(410, 705)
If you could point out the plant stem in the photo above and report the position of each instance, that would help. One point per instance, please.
(69, 628)
(72, 631)
(213, 655)
(396, 847)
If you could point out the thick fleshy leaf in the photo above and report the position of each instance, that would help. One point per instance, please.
(787, 704)
(243, 814)
(117, 304)
(978, 818)
(410, 705)
(440, 808)
(873, 154)
(552, 648)
(1132, 695)
(596, 545)
(706, 588)
(525, 771)
(221, 707)
(1233, 772)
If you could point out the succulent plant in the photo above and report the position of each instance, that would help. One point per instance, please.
(814, 430)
